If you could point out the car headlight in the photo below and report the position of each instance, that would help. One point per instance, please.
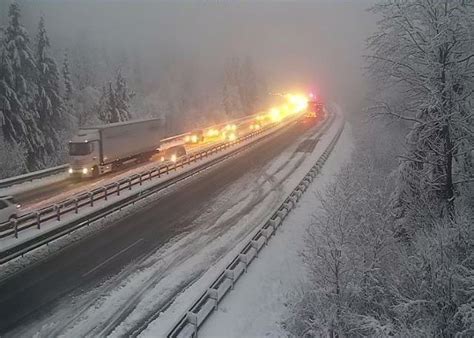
(85, 171)
(70, 170)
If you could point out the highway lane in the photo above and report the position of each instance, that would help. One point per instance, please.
(47, 194)
(84, 265)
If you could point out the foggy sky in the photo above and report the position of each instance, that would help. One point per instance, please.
(296, 44)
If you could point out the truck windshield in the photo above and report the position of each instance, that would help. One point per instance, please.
(79, 149)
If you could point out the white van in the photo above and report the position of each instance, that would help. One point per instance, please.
(8, 209)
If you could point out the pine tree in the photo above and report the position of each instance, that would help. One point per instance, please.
(49, 103)
(68, 89)
(115, 105)
(17, 85)
(232, 90)
(248, 87)
(122, 98)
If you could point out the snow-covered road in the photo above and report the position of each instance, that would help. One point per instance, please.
(122, 304)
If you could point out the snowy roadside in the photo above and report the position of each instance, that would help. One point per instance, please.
(259, 301)
(33, 184)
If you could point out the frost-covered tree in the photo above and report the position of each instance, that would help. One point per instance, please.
(241, 88)
(231, 100)
(49, 102)
(363, 281)
(248, 88)
(232, 89)
(123, 97)
(346, 247)
(13, 158)
(116, 101)
(433, 286)
(68, 88)
(425, 50)
(17, 88)
(107, 105)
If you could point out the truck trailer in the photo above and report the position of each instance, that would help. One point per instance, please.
(100, 149)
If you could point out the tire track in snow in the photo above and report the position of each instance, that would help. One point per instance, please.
(220, 226)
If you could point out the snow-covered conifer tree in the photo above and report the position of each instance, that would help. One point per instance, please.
(68, 88)
(17, 87)
(115, 100)
(49, 103)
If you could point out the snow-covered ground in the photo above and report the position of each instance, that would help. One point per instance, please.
(33, 184)
(259, 300)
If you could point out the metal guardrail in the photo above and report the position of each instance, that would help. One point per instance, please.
(87, 199)
(35, 175)
(194, 317)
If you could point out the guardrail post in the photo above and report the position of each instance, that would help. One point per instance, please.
(76, 205)
(149, 174)
(105, 193)
(38, 220)
(129, 184)
(118, 188)
(15, 225)
(58, 212)
(140, 179)
(91, 197)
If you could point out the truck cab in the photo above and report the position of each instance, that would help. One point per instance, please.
(84, 154)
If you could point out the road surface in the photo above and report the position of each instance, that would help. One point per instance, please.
(33, 293)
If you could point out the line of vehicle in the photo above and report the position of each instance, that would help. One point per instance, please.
(88, 197)
(56, 233)
(63, 168)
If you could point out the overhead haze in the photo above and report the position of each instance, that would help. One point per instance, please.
(293, 44)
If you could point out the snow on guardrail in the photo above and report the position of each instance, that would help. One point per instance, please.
(189, 323)
(35, 175)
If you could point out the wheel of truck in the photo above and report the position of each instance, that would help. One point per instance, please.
(144, 158)
(181, 151)
(11, 220)
(95, 171)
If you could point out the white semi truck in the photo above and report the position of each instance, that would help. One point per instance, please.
(99, 149)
